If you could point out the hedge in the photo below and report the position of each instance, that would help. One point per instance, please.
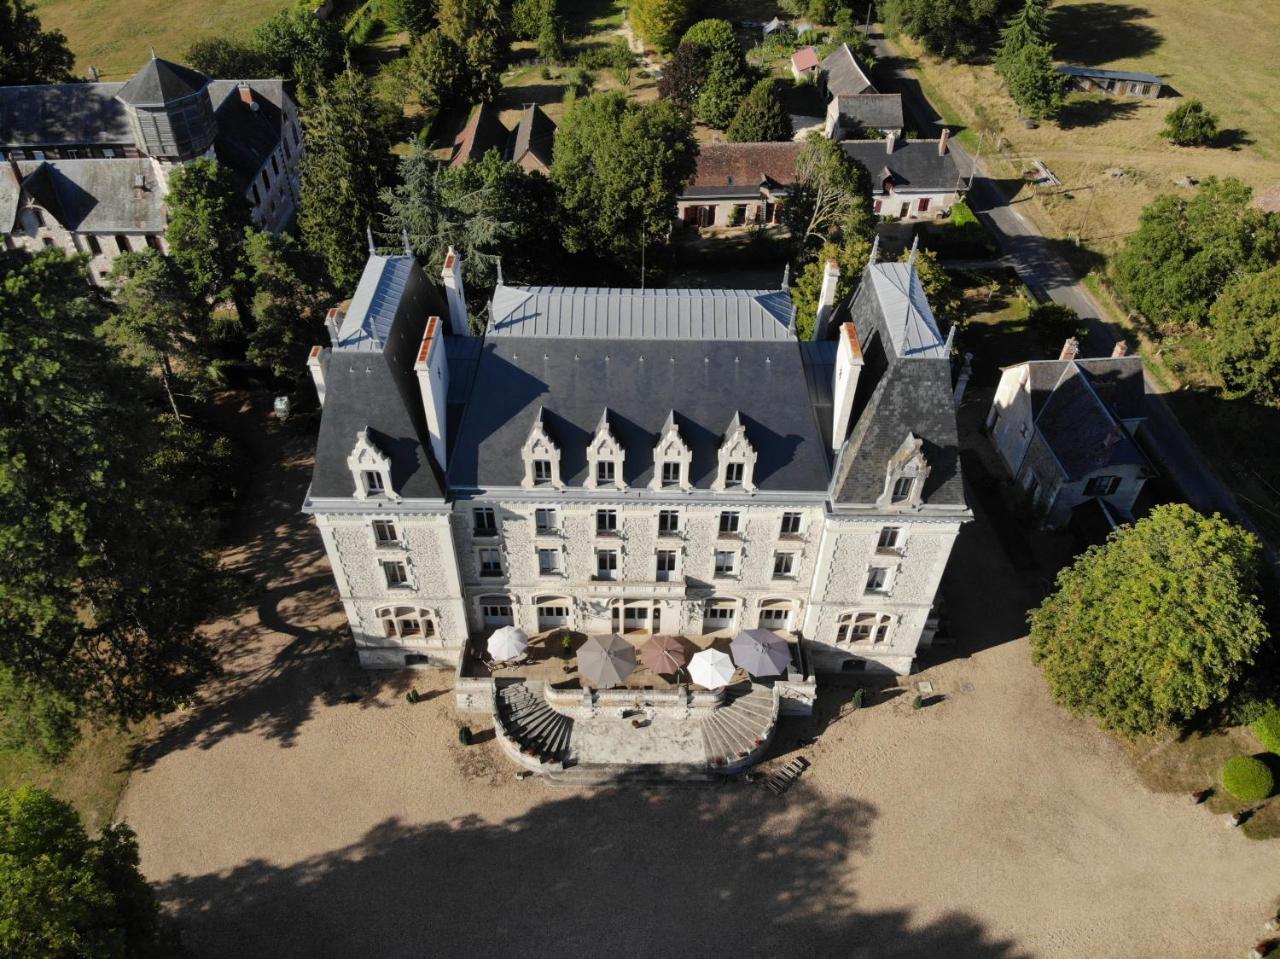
(1247, 779)
(1267, 729)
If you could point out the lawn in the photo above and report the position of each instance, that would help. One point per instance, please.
(116, 36)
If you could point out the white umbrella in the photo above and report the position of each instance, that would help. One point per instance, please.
(507, 643)
(711, 668)
(760, 652)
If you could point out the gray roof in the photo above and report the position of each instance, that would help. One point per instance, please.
(587, 312)
(903, 311)
(247, 137)
(160, 82)
(376, 304)
(62, 113)
(843, 75)
(874, 111)
(640, 382)
(90, 196)
(1076, 71)
(1082, 431)
(913, 165)
(1116, 379)
(535, 134)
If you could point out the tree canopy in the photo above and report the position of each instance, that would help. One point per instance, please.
(716, 35)
(288, 305)
(1244, 324)
(28, 53)
(762, 115)
(1190, 125)
(208, 216)
(728, 81)
(851, 257)
(830, 198)
(961, 29)
(684, 76)
(303, 46)
(1154, 626)
(1025, 61)
(659, 22)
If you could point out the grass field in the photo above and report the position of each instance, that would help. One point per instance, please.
(1230, 64)
(116, 36)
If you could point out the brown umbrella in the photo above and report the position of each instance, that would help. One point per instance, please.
(663, 654)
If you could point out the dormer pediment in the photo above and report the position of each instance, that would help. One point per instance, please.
(672, 458)
(737, 459)
(905, 475)
(370, 469)
(541, 456)
(605, 458)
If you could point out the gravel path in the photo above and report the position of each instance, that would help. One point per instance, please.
(307, 810)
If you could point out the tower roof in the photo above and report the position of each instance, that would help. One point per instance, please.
(160, 82)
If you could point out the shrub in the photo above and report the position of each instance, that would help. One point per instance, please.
(1190, 124)
(464, 735)
(1247, 779)
(1267, 729)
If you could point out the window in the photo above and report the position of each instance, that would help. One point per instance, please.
(729, 521)
(902, 489)
(395, 573)
(545, 520)
(549, 562)
(275, 167)
(604, 471)
(666, 565)
(1102, 486)
(670, 474)
(726, 562)
(496, 611)
(923, 204)
(784, 565)
(541, 471)
(122, 243)
(878, 579)
(890, 539)
(406, 622)
(776, 615)
(37, 216)
(48, 243)
(266, 179)
(490, 562)
(257, 197)
(373, 484)
(606, 521)
(606, 564)
(790, 524)
(718, 614)
(94, 246)
(862, 628)
(483, 521)
(668, 522)
(733, 474)
(384, 532)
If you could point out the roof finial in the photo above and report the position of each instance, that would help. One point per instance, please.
(368, 230)
(875, 251)
(911, 260)
(786, 277)
(153, 54)
(404, 237)
(951, 337)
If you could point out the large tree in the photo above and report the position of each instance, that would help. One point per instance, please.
(225, 57)
(850, 257)
(684, 76)
(303, 46)
(962, 29)
(208, 216)
(462, 20)
(415, 17)
(1186, 248)
(762, 116)
(659, 22)
(346, 164)
(830, 197)
(716, 35)
(617, 170)
(29, 53)
(66, 895)
(1025, 61)
(1028, 27)
(288, 305)
(727, 83)
(1190, 124)
(436, 72)
(105, 574)
(1154, 626)
(1244, 329)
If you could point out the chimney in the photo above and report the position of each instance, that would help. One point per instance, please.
(317, 372)
(246, 93)
(826, 298)
(1120, 349)
(890, 141)
(942, 142)
(333, 323)
(433, 383)
(848, 368)
(452, 274)
(962, 381)
(1070, 349)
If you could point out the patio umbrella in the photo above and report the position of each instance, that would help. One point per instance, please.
(606, 660)
(760, 652)
(711, 668)
(663, 654)
(507, 643)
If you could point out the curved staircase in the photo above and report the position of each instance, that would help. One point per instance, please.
(735, 733)
(529, 723)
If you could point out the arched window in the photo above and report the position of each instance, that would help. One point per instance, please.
(496, 610)
(864, 627)
(777, 613)
(554, 612)
(407, 622)
(719, 612)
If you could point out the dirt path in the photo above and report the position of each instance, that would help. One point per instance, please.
(308, 810)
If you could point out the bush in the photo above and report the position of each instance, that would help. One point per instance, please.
(464, 735)
(1190, 125)
(1267, 729)
(1247, 779)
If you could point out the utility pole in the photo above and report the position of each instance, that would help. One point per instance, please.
(973, 168)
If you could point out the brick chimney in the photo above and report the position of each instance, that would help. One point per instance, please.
(890, 141)
(433, 383)
(454, 294)
(1070, 349)
(826, 298)
(942, 142)
(1120, 349)
(246, 93)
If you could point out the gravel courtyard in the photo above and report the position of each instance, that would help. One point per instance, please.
(305, 809)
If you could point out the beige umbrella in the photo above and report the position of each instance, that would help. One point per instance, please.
(663, 654)
(507, 643)
(606, 660)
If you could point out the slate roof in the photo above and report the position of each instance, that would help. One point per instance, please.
(903, 311)
(640, 382)
(247, 137)
(62, 113)
(1117, 380)
(534, 136)
(623, 314)
(89, 196)
(914, 165)
(1083, 433)
(873, 111)
(482, 133)
(1077, 71)
(842, 74)
(160, 82)
(376, 304)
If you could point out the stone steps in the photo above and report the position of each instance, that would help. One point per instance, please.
(532, 724)
(731, 733)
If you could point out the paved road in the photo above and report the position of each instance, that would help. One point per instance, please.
(1040, 267)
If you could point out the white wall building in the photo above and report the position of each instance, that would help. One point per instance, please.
(619, 460)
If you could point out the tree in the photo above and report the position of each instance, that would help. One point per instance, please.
(527, 17)
(1027, 28)
(288, 304)
(551, 39)
(436, 71)
(617, 170)
(847, 32)
(222, 57)
(208, 216)
(1155, 625)
(483, 56)
(415, 17)
(304, 47)
(463, 20)
(718, 36)
(659, 22)
(851, 257)
(1186, 248)
(1034, 83)
(762, 116)
(961, 29)
(35, 718)
(1190, 125)
(105, 574)
(1244, 324)
(64, 894)
(830, 197)
(30, 54)
(685, 75)
(727, 83)
(346, 164)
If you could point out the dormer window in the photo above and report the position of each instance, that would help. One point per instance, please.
(670, 474)
(671, 458)
(605, 457)
(373, 485)
(733, 475)
(541, 457)
(737, 459)
(905, 475)
(541, 472)
(902, 487)
(604, 472)
(370, 469)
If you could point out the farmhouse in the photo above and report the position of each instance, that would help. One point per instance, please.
(88, 164)
(1117, 82)
(855, 108)
(529, 145)
(1065, 430)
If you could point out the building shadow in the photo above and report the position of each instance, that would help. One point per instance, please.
(1090, 111)
(1095, 34)
(634, 872)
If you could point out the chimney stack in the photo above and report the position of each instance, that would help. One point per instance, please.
(942, 142)
(433, 383)
(1120, 349)
(962, 381)
(826, 298)
(1070, 349)
(890, 141)
(246, 93)
(453, 291)
(848, 368)
(317, 372)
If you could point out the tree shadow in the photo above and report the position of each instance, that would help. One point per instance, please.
(1093, 34)
(631, 872)
(1091, 111)
(1233, 139)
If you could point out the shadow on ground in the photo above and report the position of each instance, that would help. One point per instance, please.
(628, 873)
(1094, 34)
(1091, 111)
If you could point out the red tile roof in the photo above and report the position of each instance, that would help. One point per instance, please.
(806, 58)
(745, 164)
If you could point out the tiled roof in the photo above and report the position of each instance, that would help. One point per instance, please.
(738, 166)
(483, 132)
(535, 135)
(91, 196)
(160, 82)
(806, 58)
